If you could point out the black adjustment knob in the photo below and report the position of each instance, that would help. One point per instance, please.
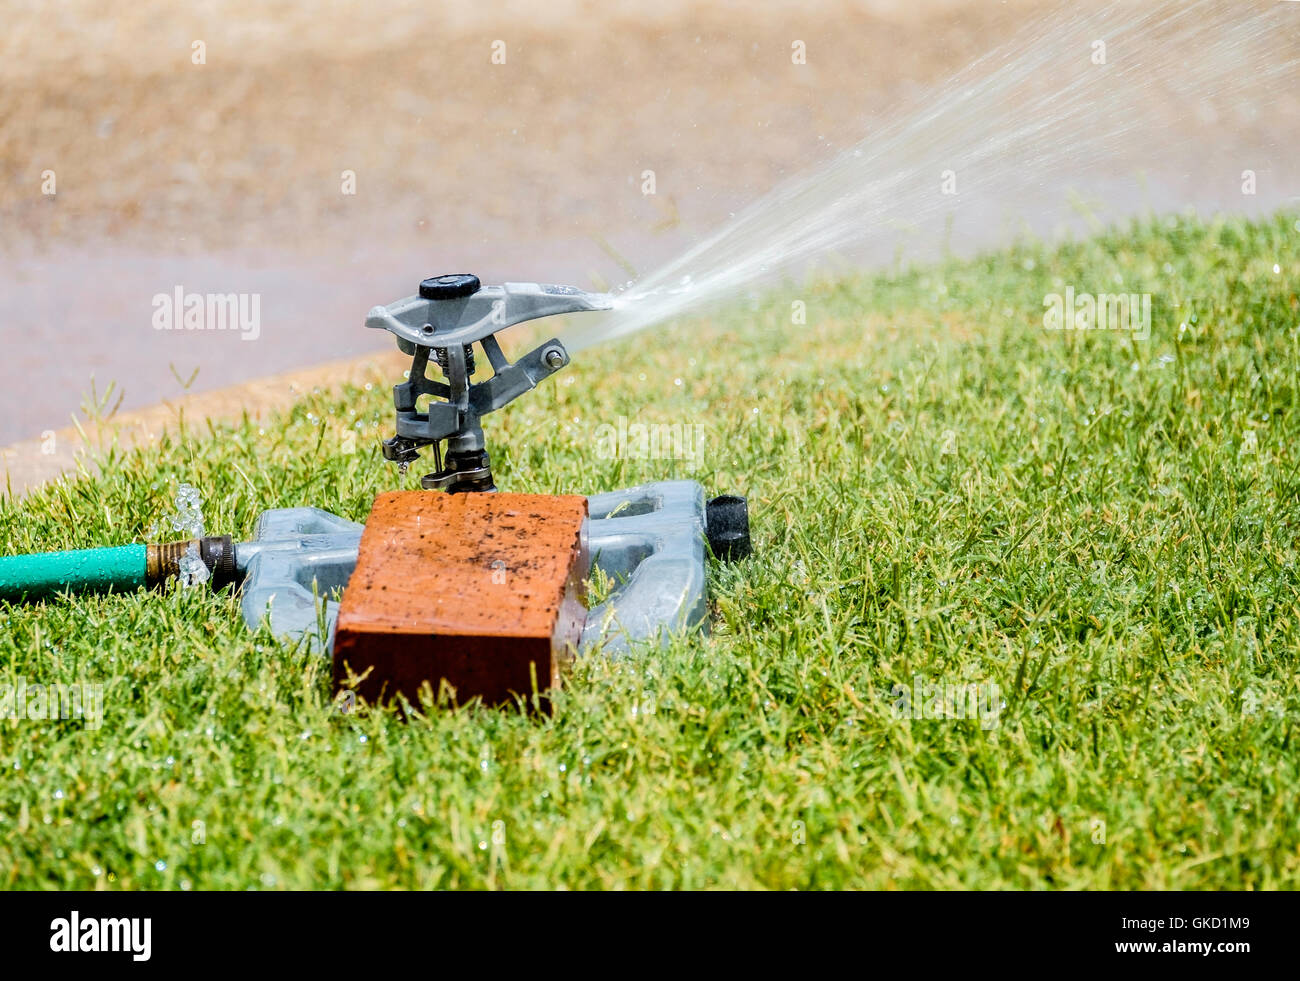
(726, 521)
(449, 287)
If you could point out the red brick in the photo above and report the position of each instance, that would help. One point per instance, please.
(483, 591)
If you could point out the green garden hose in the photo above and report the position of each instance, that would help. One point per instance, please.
(120, 569)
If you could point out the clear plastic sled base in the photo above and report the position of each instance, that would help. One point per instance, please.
(648, 540)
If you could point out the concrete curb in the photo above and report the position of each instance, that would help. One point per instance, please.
(31, 463)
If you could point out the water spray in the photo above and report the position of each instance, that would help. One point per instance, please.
(1123, 89)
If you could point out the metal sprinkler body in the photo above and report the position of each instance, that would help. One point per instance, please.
(439, 327)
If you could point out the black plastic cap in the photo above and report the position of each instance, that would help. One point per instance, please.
(449, 287)
(727, 525)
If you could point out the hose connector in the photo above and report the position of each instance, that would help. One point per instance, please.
(217, 553)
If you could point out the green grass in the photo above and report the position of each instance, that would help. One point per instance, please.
(940, 490)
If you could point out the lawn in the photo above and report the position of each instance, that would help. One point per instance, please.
(1099, 530)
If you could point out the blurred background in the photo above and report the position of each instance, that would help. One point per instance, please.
(208, 146)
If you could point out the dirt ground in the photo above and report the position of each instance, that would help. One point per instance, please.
(232, 175)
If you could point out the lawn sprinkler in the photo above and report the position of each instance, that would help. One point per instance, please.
(491, 580)
(441, 324)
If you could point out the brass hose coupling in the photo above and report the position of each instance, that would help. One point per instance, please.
(217, 552)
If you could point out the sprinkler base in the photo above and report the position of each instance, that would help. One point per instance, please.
(649, 540)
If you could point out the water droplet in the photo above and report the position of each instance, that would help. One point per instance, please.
(189, 511)
(193, 571)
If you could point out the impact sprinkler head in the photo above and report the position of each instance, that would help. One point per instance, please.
(441, 324)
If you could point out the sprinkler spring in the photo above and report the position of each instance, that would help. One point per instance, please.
(439, 357)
